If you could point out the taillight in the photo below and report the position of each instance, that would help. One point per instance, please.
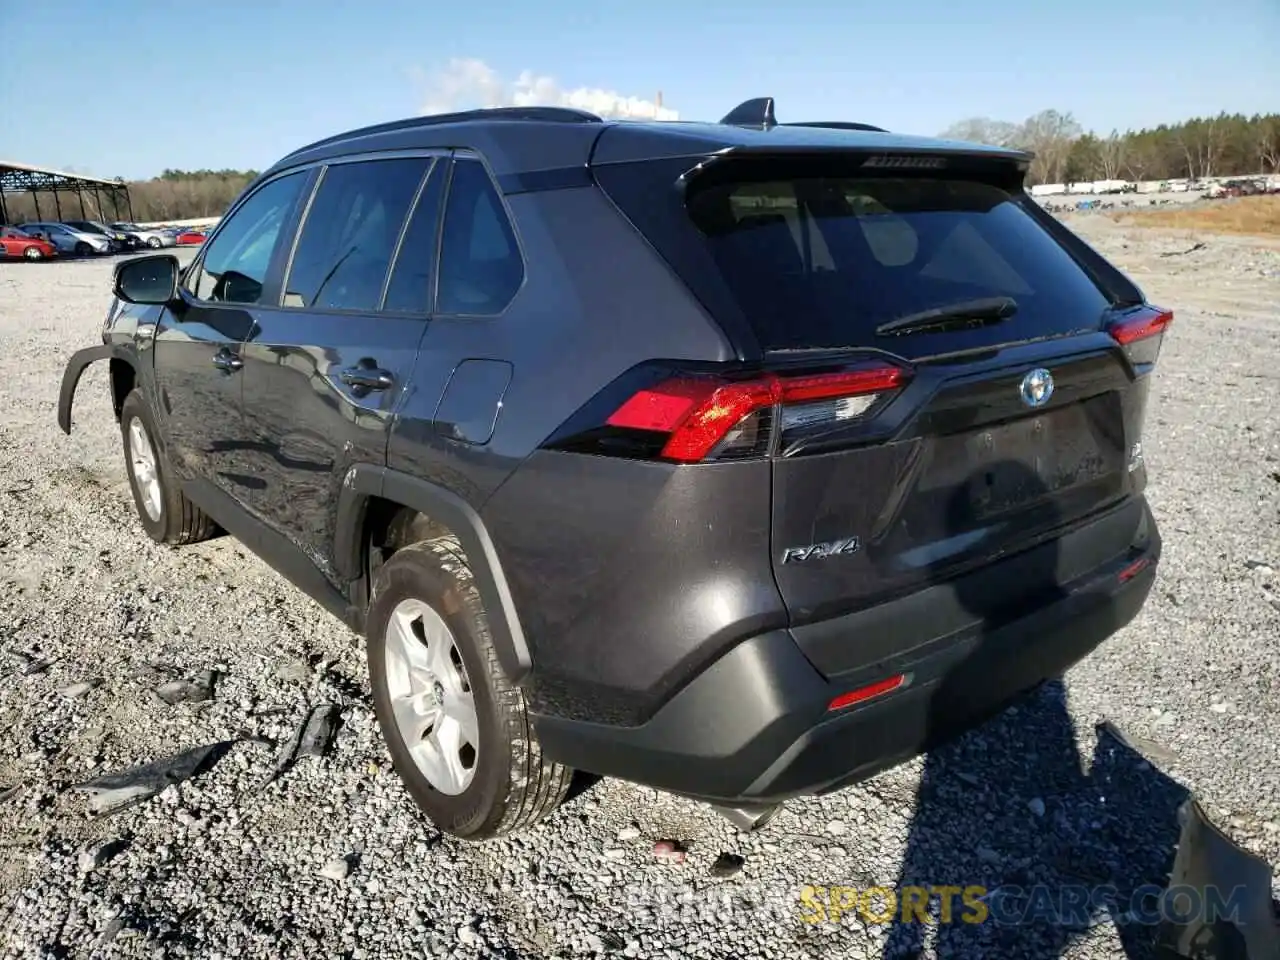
(1141, 334)
(713, 418)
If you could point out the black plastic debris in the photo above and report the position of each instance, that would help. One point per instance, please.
(312, 738)
(117, 791)
(727, 864)
(1235, 916)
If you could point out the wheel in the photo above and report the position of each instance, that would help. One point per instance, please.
(458, 732)
(166, 514)
(83, 249)
(153, 243)
(33, 253)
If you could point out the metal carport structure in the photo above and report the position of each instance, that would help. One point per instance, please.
(21, 178)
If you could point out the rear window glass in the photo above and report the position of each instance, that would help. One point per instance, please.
(820, 262)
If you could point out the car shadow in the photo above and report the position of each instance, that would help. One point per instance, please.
(1053, 846)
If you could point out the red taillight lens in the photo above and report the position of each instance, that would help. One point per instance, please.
(1141, 335)
(1149, 324)
(709, 415)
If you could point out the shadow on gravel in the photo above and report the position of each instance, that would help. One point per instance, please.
(1055, 848)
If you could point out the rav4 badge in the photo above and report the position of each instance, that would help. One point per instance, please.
(821, 551)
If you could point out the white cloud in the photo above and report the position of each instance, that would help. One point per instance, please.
(466, 84)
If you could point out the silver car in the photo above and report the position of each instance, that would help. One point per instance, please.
(70, 240)
(147, 236)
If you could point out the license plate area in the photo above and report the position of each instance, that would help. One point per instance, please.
(1008, 466)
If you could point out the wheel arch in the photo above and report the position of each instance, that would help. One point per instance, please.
(380, 510)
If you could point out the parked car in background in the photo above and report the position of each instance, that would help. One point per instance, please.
(119, 239)
(190, 238)
(153, 237)
(16, 243)
(71, 240)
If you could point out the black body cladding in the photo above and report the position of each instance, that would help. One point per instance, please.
(633, 367)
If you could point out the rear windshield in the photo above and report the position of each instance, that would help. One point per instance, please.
(820, 262)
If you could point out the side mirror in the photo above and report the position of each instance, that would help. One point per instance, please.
(147, 280)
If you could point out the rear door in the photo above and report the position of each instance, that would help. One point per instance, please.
(326, 369)
(908, 455)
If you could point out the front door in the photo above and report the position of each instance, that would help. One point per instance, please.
(325, 372)
(199, 341)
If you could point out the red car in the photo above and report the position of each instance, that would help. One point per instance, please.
(189, 238)
(15, 243)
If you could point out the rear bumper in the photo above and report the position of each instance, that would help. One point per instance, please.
(754, 726)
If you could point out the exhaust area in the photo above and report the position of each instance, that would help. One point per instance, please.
(748, 817)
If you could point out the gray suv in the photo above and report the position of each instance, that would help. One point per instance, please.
(740, 459)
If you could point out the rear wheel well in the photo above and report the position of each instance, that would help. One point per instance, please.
(389, 527)
(123, 379)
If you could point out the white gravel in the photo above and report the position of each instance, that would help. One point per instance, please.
(329, 860)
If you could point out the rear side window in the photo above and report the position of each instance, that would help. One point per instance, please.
(820, 262)
(349, 236)
(480, 264)
(410, 289)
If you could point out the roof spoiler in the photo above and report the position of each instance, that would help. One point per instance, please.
(758, 114)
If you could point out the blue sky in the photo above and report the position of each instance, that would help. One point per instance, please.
(130, 87)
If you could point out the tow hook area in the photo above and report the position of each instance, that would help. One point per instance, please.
(748, 817)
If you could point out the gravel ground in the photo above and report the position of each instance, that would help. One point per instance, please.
(224, 866)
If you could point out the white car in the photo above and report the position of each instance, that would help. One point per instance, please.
(68, 239)
(153, 238)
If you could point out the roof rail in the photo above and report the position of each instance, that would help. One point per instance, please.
(758, 114)
(541, 114)
(837, 125)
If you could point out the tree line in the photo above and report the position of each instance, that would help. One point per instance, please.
(1230, 144)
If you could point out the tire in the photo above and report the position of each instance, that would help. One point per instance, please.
(166, 514)
(153, 243)
(511, 786)
(33, 253)
(83, 249)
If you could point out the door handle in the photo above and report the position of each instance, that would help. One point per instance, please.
(227, 362)
(367, 378)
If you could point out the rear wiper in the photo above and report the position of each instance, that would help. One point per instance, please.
(970, 313)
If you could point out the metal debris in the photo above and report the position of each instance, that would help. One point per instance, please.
(117, 791)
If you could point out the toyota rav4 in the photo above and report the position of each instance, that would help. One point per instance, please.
(742, 460)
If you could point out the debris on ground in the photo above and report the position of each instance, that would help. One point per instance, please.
(174, 692)
(727, 864)
(114, 792)
(1209, 862)
(77, 690)
(95, 856)
(1147, 749)
(312, 738)
(339, 868)
(670, 851)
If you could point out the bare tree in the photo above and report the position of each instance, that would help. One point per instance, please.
(1049, 134)
(997, 133)
(1112, 155)
(1269, 145)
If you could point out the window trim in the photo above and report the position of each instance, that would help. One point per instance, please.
(445, 165)
(466, 154)
(433, 156)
